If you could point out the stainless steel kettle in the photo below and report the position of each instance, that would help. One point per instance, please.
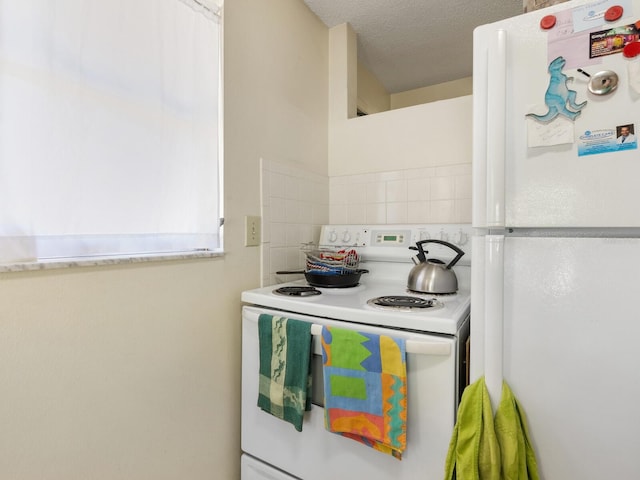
(432, 275)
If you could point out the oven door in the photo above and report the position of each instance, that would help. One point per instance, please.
(318, 454)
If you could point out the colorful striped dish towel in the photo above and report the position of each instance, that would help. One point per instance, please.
(285, 380)
(365, 388)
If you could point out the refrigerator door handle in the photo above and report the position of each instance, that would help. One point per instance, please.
(479, 163)
(496, 128)
(494, 316)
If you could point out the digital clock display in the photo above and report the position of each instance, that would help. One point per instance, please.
(390, 239)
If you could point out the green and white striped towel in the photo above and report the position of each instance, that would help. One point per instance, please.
(285, 380)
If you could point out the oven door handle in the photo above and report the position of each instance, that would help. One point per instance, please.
(412, 346)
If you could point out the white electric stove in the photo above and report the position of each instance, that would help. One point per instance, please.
(384, 252)
(436, 327)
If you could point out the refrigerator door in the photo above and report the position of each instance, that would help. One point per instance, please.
(562, 182)
(570, 351)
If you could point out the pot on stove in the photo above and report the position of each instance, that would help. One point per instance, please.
(345, 279)
(433, 275)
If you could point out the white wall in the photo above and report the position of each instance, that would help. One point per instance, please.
(372, 96)
(428, 135)
(407, 165)
(117, 372)
(276, 89)
(442, 91)
(393, 144)
(133, 372)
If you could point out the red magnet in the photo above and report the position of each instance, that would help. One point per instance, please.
(631, 50)
(548, 22)
(613, 13)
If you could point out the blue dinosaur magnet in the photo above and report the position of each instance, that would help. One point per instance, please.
(558, 96)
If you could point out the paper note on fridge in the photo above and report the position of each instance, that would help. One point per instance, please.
(591, 15)
(557, 132)
(565, 42)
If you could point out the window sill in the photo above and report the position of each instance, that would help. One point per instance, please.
(58, 263)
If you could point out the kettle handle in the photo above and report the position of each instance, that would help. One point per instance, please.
(421, 253)
(459, 252)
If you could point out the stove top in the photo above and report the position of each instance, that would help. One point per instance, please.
(384, 250)
(352, 305)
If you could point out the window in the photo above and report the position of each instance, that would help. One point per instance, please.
(109, 127)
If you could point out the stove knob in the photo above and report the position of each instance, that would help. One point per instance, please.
(444, 236)
(333, 236)
(424, 235)
(346, 236)
(460, 238)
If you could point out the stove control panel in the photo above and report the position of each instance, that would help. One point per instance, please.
(392, 242)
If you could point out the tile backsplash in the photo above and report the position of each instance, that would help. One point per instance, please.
(297, 202)
(421, 195)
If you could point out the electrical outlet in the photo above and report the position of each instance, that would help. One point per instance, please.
(252, 231)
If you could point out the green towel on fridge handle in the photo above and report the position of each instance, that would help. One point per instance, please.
(474, 453)
(516, 451)
(482, 448)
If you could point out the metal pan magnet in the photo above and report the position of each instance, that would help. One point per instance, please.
(603, 83)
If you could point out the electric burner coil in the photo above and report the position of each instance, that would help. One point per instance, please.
(297, 291)
(404, 302)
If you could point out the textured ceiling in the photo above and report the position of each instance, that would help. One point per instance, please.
(409, 44)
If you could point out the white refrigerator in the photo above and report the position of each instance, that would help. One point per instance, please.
(556, 211)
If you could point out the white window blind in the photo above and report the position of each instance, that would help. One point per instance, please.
(109, 127)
